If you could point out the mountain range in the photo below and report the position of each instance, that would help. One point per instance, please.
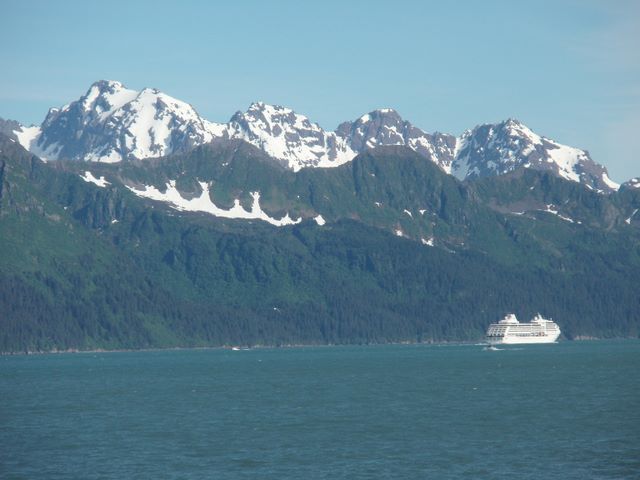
(111, 123)
(129, 221)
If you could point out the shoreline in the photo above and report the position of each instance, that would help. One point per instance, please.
(228, 347)
(579, 338)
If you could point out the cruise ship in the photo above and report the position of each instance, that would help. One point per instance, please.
(510, 331)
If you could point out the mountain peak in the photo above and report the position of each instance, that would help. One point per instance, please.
(107, 85)
(499, 148)
(101, 87)
(517, 128)
(289, 137)
(110, 123)
(385, 127)
(388, 114)
(104, 96)
(378, 127)
(262, 106)
(150, 91)
(511, 121)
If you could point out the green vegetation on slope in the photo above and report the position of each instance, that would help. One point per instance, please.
(72, 278)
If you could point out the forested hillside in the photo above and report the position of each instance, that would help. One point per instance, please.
(85, 266)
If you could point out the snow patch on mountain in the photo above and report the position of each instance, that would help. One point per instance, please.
(610, 183)
(203, 203)
(554, 210)
(428, 241)
(88, 177)
(27, 136)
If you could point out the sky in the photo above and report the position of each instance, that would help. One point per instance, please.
(568, 69)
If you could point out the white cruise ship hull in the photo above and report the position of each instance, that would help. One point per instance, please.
(509, 331)
(519, 340)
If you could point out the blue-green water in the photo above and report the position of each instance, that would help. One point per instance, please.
(562, 411)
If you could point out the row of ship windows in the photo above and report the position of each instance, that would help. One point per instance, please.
(521, 329)
(517, 334)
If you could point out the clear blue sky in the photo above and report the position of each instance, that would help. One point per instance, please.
(568, 69)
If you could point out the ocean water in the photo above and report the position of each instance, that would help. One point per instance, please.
(564, 411)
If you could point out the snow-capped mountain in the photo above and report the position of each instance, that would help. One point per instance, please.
(491, 149)
(386, 127)
(111, 123)
(289, 137)
(496, 149)
(296, 141)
